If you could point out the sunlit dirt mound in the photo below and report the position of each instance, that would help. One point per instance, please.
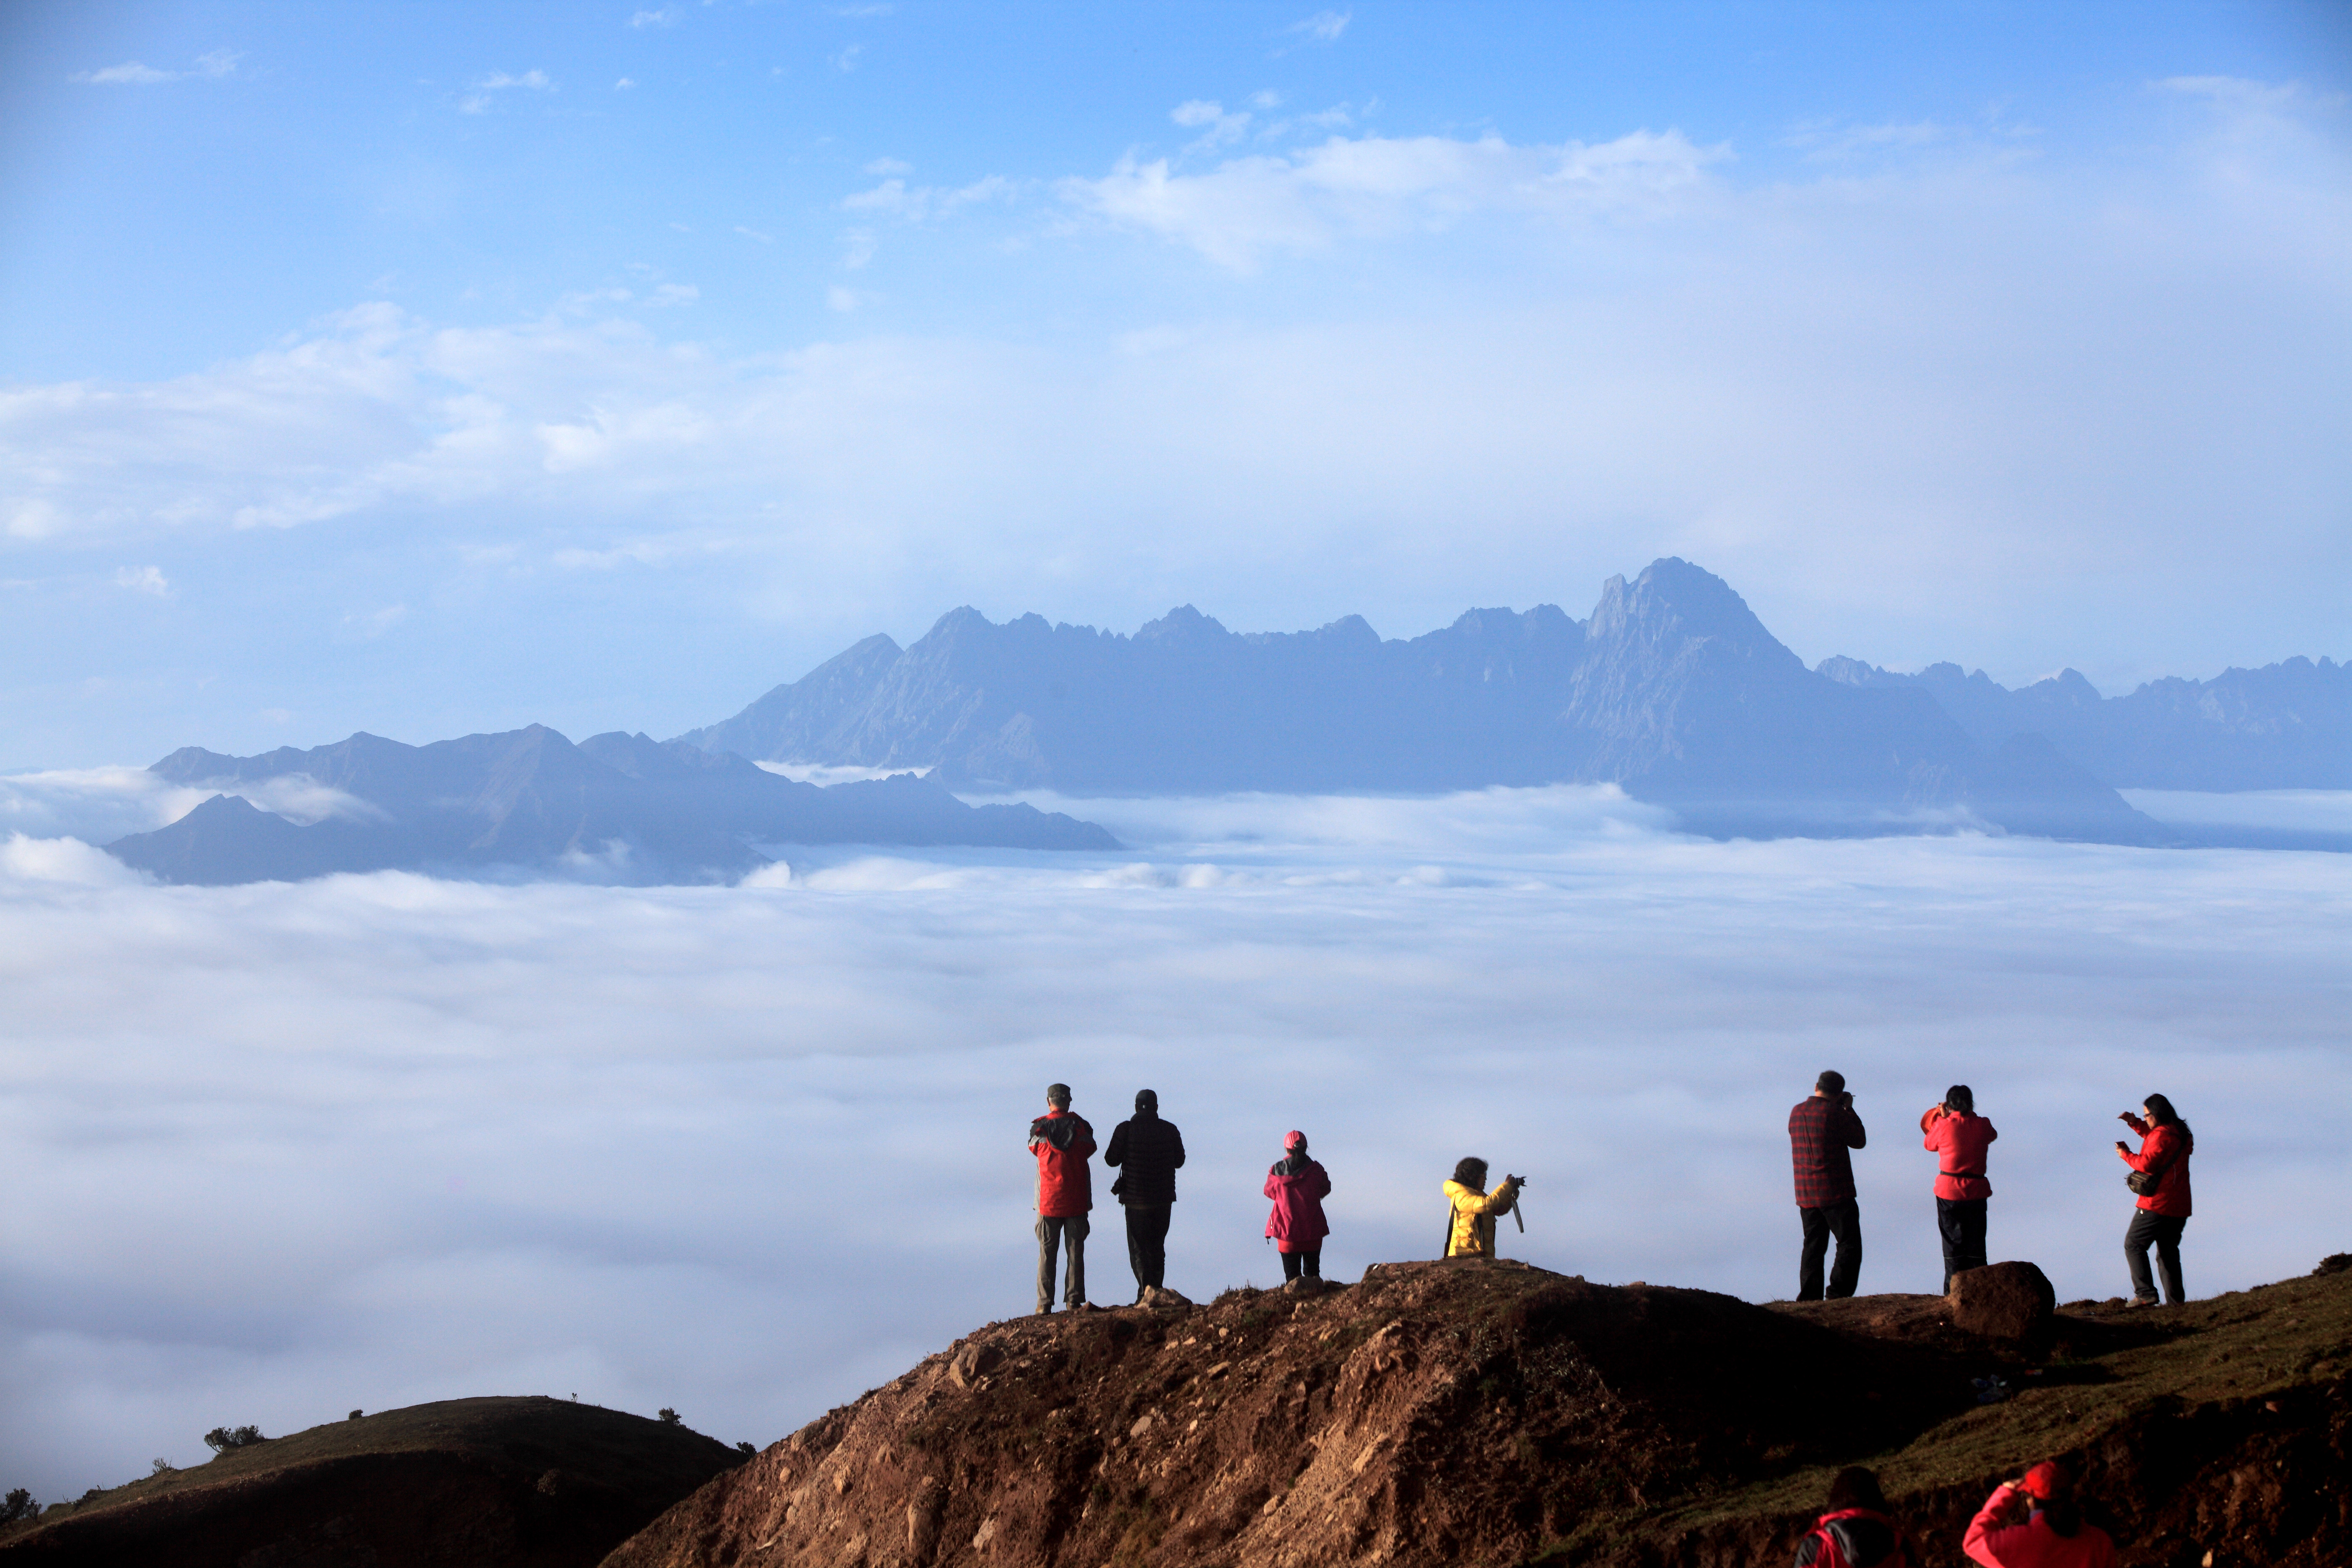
(470, 1483)
(1439, 1413)
(1471, 1412)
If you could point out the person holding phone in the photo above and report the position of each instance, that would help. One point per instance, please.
(2160, 1177)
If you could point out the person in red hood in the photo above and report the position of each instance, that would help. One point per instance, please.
(1858, 1531)
(2165, 1145)
(1297, 1186)
(1066, 1191)
(2053, 1533)
(1958, 1136)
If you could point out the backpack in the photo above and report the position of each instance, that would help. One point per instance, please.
(1854, 1538)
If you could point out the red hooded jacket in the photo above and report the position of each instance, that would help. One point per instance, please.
(1959, 1140)
(1065, 1184)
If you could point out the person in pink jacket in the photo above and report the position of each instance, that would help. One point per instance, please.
(2051, 1532)
(1958, 1136)
(1297, 1186)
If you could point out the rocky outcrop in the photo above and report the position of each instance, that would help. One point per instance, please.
(1475, 1413)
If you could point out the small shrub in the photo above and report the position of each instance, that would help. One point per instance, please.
(93, 1492)
(18, 1504)
(746, 1449)
(164, 1468)
(221, 1439)
(669, 1417)
(355, 1414)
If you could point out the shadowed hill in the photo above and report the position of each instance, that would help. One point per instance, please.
(465, 1483)
(1473, 1413)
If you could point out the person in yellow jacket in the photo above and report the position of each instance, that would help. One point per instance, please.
(1475, 1209)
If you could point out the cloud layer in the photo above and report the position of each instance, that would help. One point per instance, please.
(372, 1140)
(1945, 397)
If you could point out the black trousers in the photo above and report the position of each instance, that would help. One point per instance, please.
(1147, 1244)
(1845, 1222)
(1308, 1263)
(1962, 1221)
(2164, 1232)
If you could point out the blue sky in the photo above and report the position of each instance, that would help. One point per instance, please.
(428, 369)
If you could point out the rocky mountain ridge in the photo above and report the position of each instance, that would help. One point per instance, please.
(618, 807)
(1672, 689)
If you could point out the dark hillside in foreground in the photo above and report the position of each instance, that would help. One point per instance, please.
(1479, 1413)
(465, 1483)
(1672, 689)
(619, 807)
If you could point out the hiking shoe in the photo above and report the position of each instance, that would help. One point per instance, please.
(2138, 1302)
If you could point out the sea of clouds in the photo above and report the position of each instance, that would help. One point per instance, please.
(275, 1153)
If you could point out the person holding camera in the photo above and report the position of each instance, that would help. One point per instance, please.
(1471, 1231)
(2036, 1522)
(1957, 1135)
(1821, 1128)
(2160, 1178)
(1061, 1139)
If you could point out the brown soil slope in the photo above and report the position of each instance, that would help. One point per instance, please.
(1469, 1413)
(472, 1483)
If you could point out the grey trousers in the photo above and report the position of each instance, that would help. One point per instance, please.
(1053, 1229)
(2162, 1232)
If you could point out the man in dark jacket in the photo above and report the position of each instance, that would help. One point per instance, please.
(1149, 1149)
(1821, 1130)
(1061, 1140)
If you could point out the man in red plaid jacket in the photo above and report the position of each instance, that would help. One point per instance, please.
(1821, 1130)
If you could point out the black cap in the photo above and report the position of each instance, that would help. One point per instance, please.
(1148, 1100)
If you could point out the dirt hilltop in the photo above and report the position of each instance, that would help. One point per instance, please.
(1476, 1413)
(469, 1483)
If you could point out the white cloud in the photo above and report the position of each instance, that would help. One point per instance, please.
(467, 1136)
(674, 294)
(846, 58)
(889, 166)
(1220, 128)
(143, 580)
(483, 96)
(837, 298)
(1909, 416)
(623, 85)
(1323, 28)
(667, 16)
(875, 8)
(894, 198)
(212, 65)
(1310, 200)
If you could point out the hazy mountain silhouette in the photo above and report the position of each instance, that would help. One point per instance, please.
(621, 807)
(2284, 726)
(1673, 688)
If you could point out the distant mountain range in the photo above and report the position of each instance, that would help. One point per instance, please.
(2284, 726)
(619, 807)
(1672, 689)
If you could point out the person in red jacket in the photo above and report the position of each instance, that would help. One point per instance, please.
(1957, 1135)
(2052, 1534)
(1066, 1191)
(1858, 1531)
(1297, 1186)
(2163, 1209)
